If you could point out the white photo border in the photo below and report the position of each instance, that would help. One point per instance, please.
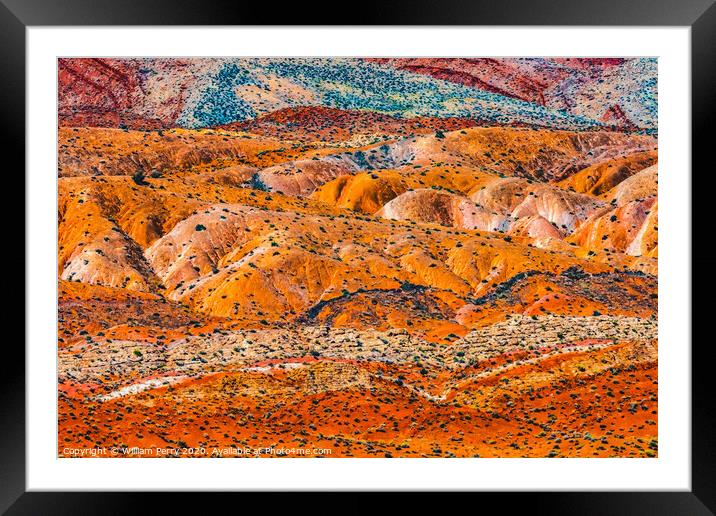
(671, 470)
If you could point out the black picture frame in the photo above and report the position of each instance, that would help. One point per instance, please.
(700, 15)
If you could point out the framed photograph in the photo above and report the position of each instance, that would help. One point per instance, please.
(422, 251)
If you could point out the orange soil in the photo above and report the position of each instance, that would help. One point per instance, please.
(200, 248)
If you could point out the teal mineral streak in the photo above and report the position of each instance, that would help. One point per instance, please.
(219, 104)
(354, 84)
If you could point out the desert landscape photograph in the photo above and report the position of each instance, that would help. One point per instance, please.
(357, 257)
